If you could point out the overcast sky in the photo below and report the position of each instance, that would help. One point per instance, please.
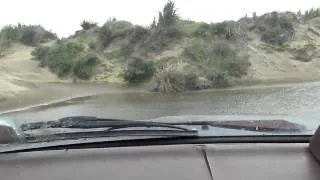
(64, 16)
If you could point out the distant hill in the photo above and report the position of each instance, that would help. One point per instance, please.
(173, 54)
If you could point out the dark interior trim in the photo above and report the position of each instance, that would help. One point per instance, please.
(170, 141)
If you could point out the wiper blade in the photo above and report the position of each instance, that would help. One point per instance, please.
(91, 122)
(110, 128)
(101, 134)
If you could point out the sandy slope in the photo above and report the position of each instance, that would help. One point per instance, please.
(19, 73)
(281, 66)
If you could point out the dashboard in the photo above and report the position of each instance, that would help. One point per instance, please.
(257, 161)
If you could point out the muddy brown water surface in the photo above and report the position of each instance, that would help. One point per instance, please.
(60, 100)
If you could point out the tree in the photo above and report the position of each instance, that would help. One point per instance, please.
(168, 16)
(154, 24)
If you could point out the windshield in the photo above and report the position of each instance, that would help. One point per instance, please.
(240, 67)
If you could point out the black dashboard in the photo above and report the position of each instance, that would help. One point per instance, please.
(225, 161)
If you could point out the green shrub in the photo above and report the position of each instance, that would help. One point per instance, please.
(10, 33)
(84, 65)
(196, 52)
(304, 53)
(222, 50)
(60, 57)
(40, 53)
(66, 58)
(105, 35)
(163, 37)
(138, 70)
(173, 32)
(170, 78)
(219, 80)
(274, 36)
(115, 25)
(92, 45)
(86, 25)
(138, 33)
(229, 61)
(275, 28)
(218, 61)
(219, 29)
(190, 81)
(28, 35)
(202, 30)
(175, 77)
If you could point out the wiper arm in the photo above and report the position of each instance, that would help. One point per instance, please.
(111, 128)
(90, 122)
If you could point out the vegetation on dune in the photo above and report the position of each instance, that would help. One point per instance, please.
(66, 58)
(86, 25)
(218, 61)
(138, 70)
(208, 54)
(311, 13)
(176, 76)
(274, 28)
(26, 34)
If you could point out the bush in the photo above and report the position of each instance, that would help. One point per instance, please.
(138, 33)
(219, 29)
(41, 53)
(170, 78)
(275, 28)
(173, 32)
(201, 30)
(60, 57)
(84, 65)
(163, 37)
(29, 35)
(10, 33)
(218, 79)
(229, 61)
(115, 25)
(174, 77)
(138, 70)
(65, 58)
(218, 61)
(86, 25)
(105, 35)
(305, 53)
(274, 36)
(228, 30)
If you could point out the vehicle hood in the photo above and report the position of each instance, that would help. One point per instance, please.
(303, 126)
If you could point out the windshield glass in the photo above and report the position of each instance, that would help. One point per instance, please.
(243, 66)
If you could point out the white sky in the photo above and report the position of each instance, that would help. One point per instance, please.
(64, 16)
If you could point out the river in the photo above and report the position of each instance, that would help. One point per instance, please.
(296, 100)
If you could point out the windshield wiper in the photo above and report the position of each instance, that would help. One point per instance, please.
(90, 122)
(88, 126)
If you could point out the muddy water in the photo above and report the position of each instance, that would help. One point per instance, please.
(296, 100)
